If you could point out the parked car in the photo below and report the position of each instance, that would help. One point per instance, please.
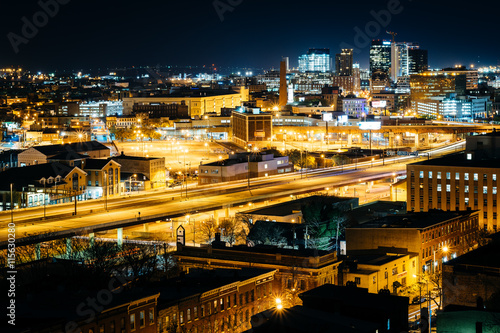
(418, 300)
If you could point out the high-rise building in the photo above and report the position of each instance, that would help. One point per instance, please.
(344, 62)
(316, 60)
(356, 73)
(417, 60)
(380, 56)
(283, 83)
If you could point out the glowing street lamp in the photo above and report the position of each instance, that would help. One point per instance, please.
(279, 305)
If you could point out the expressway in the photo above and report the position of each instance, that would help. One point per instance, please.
(153, 206)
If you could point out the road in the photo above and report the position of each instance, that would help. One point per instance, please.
(171, 203)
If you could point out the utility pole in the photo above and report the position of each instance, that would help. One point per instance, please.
(248, 173)
(44, 199)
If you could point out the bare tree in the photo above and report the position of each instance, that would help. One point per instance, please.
(207, 229)
(234, 230)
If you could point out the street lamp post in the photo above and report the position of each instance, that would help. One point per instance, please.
(185, 173)
(105, 190)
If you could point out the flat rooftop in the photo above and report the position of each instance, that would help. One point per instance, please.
(288, 208)
(460, 160)
(414, 220)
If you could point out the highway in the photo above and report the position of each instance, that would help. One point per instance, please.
(138, 209)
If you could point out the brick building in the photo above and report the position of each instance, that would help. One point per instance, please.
(428, 234)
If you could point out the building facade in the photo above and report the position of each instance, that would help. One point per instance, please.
(344, 63)
(251, 125)
(316, 60)
(436, 236)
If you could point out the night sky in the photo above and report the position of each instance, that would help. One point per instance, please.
(256, 33)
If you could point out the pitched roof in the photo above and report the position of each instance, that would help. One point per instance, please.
(96, 164)
(77, 147)
(31, 175)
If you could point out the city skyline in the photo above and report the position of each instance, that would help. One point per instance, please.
(70, 35)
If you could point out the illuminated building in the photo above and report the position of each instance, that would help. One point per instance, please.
(101, 109)
(199, 102)
(162, 110)
(432, 84)
(452, 107)
(316, 60)
(356, 107)
(345, 83)
(380, 56)
(435, 236)
(344, 63)
(251, 125)
(459, 182)
(356, 73)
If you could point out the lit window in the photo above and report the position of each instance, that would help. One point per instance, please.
(448, 187)
(439, 175)
(466, 176)
(494, 177)
(457, 176)
(485, 189)
(448, 175)
(421, 174)
(132, 321)
(439, 188)
(494, 190)
(265, 166)
(466, 201)
(476, 177)
(469, 157)
(466, 189)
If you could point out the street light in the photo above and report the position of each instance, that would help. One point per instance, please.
(445, 249)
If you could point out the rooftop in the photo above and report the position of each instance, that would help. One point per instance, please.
(459, 160)
(77, 147)
(484, 259)
(420, 220)
(288, 208)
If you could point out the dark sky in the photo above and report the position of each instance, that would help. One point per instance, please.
(256, 33)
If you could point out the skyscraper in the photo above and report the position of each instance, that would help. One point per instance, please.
(283, 84)
(417, 60)
(316, 60)
(343, 62)
(380, 56)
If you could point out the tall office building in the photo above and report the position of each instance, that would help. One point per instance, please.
(380, 56)
(417, 60)
(316, 60)
(344, 62)
(283, 83)
(356, 73)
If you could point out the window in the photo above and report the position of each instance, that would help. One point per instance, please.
(494, 177)
(252, 295)
(265, 166)
(222, 304)
(215, 171)
(142, 322)
(439, 175)
(430, 174)
(394, 271)
(195, 312)
(448, 175)
(494, 215)
(215, 306)
(485, 176)
(469, 157)
(202, 311)
(374, 279)
(151, 316)
(476, 177)
(386, 275)
(457, 176)
(448, 187)
(439, 187)
(494, 190)
(421, 174)
(466, 176)
(181, 317)
(485, 215)
(466, 189)
(357, 280)
(485, 189)
(132, 321)
(188, 314)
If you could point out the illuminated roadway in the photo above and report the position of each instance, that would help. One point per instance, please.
(124, 211)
